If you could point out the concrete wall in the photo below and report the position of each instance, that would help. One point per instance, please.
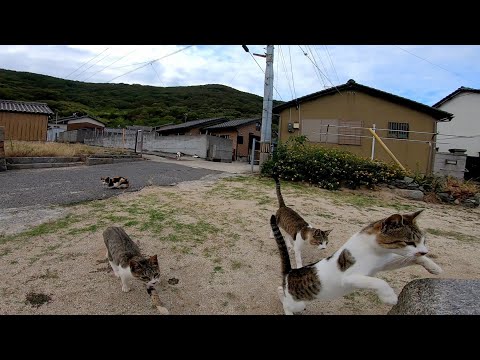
(74, 136)
(188, 144)
(450, 164)
(3, 165)
(241, 151)
(219, 149)
(466, 108)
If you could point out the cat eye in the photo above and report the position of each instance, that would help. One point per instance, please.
(411, 243)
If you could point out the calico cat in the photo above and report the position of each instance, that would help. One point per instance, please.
(387, 244)
(297, 228)
(127, 261)
(116, 182)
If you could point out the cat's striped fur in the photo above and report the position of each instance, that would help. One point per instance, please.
(296, 228)
(387, 244)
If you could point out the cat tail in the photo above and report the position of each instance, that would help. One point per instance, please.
(282, 247)
(281, 203)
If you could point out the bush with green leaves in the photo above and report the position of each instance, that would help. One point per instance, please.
(328, 168)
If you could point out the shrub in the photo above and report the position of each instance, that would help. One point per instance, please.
(328, 168)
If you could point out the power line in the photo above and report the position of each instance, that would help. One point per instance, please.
(151, 62)
(85, 63)
(109, 65)
(451, 72)
(285, 69)
(77, 76)
(291, 69)
(315, 68)
(158, 76)
(315, 54)
(331, 62)
(304, 53)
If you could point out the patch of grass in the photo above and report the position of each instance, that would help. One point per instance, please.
(49, 275)
(264, 199)
(50, 227)
(51, 248)
(131, 223)
(5, 251)
(6, 238)
(90, 228)
(236, 265)
(454, 235)
(38, 148)
(230, 296)
(218, 269)
(325, 215)
(116, 218)
(98, 204)
(402, 207)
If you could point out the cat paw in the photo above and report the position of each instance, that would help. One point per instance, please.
(125, 289)
(280, 293)
(390, 299)
(434, 269)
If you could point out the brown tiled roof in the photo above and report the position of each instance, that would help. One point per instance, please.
(25, 107)
(437, 114)
(191, 124)
(233, 123)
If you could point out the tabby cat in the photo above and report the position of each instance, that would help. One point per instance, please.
(387, 244)
(297, 228)
(127, 261)
(117, 182)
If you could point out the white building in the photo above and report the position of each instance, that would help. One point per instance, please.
(464, 103)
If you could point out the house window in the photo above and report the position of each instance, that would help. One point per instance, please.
(239, 139)
(398, 130)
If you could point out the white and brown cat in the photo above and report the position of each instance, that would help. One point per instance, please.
(391, 243)
(296, 228)
(127, 261)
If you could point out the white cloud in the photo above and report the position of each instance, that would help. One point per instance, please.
(421, 73)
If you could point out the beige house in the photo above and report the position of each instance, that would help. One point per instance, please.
(340, 116)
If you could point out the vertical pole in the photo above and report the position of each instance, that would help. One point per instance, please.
(252, 153)
(373, 143)
(266, 132)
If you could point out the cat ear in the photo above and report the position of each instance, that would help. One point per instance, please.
(412, 216)
(153, 260)
(393, 221)
(327, 232)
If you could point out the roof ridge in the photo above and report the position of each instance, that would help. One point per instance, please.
(24, 102)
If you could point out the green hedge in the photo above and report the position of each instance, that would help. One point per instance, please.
(328, 168)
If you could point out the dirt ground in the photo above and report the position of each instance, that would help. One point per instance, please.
(212, 241)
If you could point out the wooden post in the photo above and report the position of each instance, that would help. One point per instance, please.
(386, 149)
(3, 165)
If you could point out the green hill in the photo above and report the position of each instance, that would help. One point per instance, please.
(123, 104)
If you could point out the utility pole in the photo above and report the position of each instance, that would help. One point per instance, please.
(266, 132)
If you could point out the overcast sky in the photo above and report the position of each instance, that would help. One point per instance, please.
(421, 73)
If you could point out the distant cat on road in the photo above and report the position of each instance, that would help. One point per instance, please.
(116, 182)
